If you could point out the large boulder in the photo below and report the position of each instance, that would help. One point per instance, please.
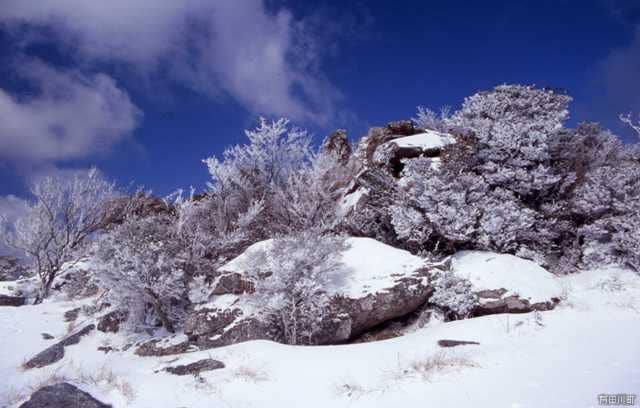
(380, 283)
(391, 155)
(62, 395)
(111, 321)
(505, 283)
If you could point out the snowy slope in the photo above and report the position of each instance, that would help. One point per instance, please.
(489, 270)
(590, 344)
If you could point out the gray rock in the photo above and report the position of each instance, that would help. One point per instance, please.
(56, 352)
(15, 301)
(337, 143)
(512, 304)
(196, 368)
(47, 336)
(455, 343)
(71, 315)
(62, 395)
(11, 269)
(110, 322)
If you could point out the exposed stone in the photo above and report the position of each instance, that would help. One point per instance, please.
(196, 368)
(232, 283)
(338, 144)
(76, 284)
(6, 300)
(512, 304)
(72, 315)
(47, 336)
(11, 269)
(55, 352)
(402, 128)
(62, 395)
(157, 347)
(110, 322)
(455, 343)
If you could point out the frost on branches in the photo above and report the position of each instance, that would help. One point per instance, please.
(139, 262)
(453, 295)
(64, 214)
(513, 125)
(293, 277)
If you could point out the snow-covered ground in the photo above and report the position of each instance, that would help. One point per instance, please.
(589, 344)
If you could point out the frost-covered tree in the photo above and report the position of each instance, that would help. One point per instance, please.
(513, 125)
(294, 277)
(308, 199)
(428, 119)
(64, 214)
(629, 121)
(140, 263)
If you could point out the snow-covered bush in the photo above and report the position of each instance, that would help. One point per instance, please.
(513, 125)
(140, 263)
(293, 276)
(428, 119)
(65, 213)
(453, 295)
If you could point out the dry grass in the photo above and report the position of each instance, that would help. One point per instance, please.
(350, 389)
(249, 374)
(425, 368)
(104, 378)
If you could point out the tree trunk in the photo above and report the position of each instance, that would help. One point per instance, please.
(157, 307)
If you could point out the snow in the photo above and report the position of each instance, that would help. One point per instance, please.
(369, 266)
(350, 201)
(428, 140)
(374, 266)
(488, 270)
(590, 344)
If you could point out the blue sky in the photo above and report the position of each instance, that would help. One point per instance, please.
(146, 89)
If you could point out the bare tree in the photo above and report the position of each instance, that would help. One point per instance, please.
(65, 212)
(629, 121)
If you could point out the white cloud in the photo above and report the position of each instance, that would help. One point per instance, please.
(239, 47)
(71, 116)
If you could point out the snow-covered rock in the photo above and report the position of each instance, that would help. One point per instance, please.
(426, 141)
(505, 283)
(380, 283)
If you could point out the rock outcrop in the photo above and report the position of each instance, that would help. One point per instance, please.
(382, 283)
(56, 352)
(11, 269)
(62, 395)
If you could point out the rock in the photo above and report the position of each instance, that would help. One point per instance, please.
(368, 215)
(76, 284)
(232, 283)
(512, 304)
(402, 128)
(357, 307)
(47, 336)
(62, 395)
(177, 344)
(110, 322)
(196, 368)
(11, 269)
(455, 343)
(55, 353)
(505, 283)
(15, 301)
(338, 144)
(71, 315)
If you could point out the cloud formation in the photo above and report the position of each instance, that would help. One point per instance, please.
(257, 56)
(70, 116)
